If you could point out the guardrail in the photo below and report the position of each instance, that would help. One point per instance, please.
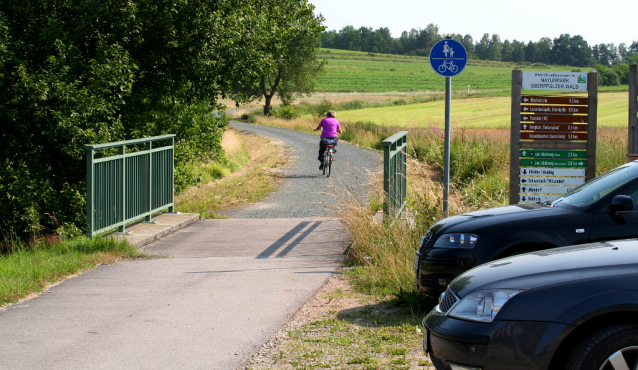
(124, 187)
(394, 173)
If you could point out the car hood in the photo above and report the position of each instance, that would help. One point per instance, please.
(551, 266)
(499, 218)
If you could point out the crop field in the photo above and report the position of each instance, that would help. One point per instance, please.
(488, 112)
(348, 71)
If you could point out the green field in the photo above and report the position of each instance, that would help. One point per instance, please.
(350, 71)
(488, 112)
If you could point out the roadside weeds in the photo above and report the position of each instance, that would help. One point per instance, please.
(340, 328)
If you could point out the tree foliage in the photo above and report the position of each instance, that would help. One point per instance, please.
(78, 72)
(286, 40)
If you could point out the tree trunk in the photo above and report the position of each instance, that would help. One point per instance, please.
(267, 99)
(269, 95)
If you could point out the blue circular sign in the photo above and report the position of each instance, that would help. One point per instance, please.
(448, 57)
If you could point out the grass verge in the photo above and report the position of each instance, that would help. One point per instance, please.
(255, 164)
(30, 269)
(343, 328)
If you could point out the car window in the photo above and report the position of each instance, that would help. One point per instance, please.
(588, 193)
(634, 194)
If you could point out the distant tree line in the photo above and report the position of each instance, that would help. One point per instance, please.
(563, 50)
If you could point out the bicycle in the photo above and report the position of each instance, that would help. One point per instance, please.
(448, 65)
(328, 157)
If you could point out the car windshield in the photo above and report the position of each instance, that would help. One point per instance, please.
(588, 193)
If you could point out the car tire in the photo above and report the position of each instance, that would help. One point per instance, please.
(609, 348)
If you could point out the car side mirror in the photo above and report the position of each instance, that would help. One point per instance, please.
(622, 203)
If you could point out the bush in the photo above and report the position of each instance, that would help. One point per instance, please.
(285, 111)
(352, 105)
(253, 116)
(323, 107)
(607, 76)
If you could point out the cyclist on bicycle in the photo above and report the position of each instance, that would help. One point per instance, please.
(330, 128)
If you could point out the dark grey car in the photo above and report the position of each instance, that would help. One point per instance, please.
(605, 208)
(566, 308)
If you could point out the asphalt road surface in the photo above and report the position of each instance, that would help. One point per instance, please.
(212, 293)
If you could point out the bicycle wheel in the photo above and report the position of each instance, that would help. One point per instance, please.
(325, 156)
(329, 164)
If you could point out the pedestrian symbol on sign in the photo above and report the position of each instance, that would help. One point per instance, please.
(448, 57)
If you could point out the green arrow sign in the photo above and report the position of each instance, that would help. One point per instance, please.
(542, 153)
(579, 163)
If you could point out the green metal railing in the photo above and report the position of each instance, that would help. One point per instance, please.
(125, 186)
(394, 173)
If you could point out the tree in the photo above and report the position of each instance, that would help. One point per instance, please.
(78, 72)
(482, 47)
(530, 52)
(606, 54)
(517, 52)
(494, 48)
(571, 51)
(286, 39)
(330, 39)
(350, 38)
(544, 50)
(623, 53)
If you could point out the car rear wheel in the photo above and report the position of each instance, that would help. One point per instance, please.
(612, 348)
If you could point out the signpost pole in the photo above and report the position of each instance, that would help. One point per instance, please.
(592, 123)
(632, 147)
(448, 58)
(446, 159)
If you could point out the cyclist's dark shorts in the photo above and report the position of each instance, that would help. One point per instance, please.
(329, 140)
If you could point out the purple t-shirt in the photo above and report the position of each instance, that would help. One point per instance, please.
(329, 126)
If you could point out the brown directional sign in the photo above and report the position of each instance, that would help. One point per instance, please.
(553, 109)
(553, 136)
(571, 100)
(552, 127)
(543, 118)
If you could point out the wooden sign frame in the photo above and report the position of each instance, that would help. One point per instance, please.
(515, 134)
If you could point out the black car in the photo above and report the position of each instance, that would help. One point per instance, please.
(604, 208)
(564, 308)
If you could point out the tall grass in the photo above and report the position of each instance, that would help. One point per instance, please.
(382, 253)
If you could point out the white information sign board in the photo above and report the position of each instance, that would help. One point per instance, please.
(573, 81)
(524, 198)
(531, 189)
(552, 172)
(552, 181)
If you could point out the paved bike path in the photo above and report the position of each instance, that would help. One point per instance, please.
(214, 291)
(213, 294)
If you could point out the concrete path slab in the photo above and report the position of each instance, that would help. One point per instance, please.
(213, 293)
(142, 233)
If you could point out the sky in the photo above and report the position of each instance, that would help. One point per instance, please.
(607, 21)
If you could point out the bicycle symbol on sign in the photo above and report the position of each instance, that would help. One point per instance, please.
(448, 65)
